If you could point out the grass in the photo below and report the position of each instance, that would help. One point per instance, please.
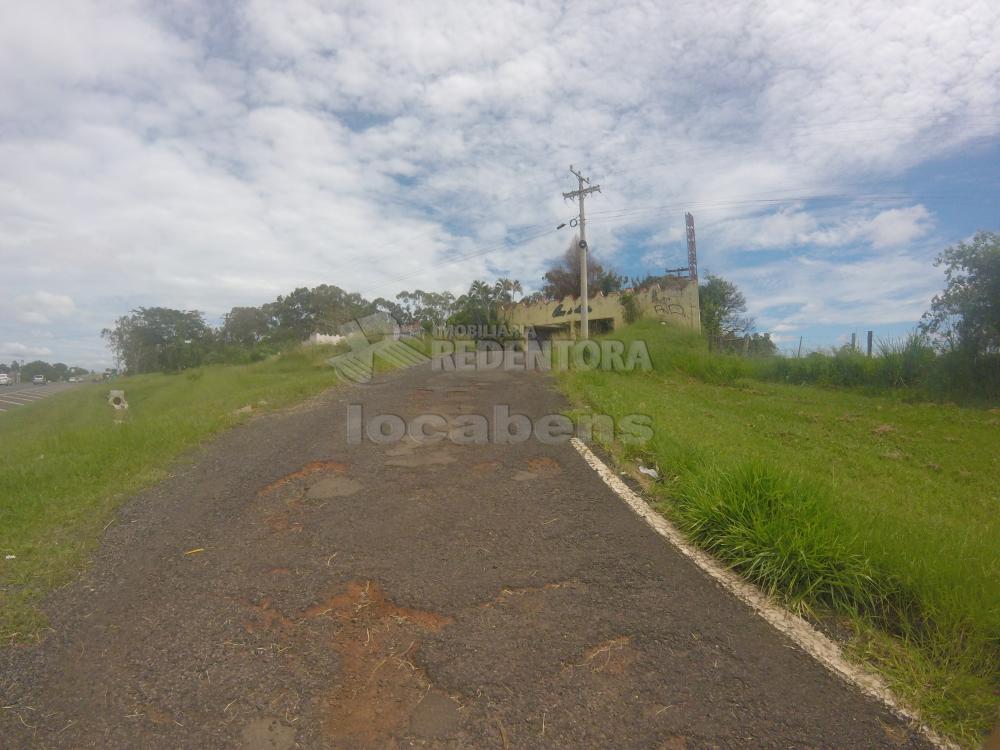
(66, 464)
(876, 511)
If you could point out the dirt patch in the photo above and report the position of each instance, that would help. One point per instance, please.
(883, 429)
(540, 466)
(431, 458)
(267, 733)
(485, 467)
(380, 689)
(331, 487)
(676, 742)
(155, 715)
(609, 657)
(544, 465)
(307, 470)
(264, 618)
(280, 521)
(437, 715)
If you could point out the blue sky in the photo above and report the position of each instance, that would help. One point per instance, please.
(207, 155)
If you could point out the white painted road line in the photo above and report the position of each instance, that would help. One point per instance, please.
(810, 640)
(21, 396)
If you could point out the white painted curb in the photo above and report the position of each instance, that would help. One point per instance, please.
(810, 640)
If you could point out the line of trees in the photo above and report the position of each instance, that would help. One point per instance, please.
(162, 339)
(51, 372)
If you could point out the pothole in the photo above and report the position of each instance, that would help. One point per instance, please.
(308, 470)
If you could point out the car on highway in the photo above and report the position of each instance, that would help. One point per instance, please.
(72, 380)
(5, 379)
(38, 380)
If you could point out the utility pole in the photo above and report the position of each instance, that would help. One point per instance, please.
(581, 193)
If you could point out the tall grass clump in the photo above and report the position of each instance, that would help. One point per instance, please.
(910, 365)
(775, 529)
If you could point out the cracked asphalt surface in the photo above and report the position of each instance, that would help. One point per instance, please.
(409, 595)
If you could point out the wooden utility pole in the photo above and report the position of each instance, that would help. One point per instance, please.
(870, 333)
(581, 222)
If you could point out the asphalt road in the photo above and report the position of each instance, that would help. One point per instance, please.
(289, 588)
(12, 396)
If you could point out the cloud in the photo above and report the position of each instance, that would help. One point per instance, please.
(41, 308)
(823, 228)
(899, 226)
(800, 293)
(205, 155)
(16, 350)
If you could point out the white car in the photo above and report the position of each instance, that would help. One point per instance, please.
(5, 379)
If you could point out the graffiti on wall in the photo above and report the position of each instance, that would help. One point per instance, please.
(669, 308)
(560, 311)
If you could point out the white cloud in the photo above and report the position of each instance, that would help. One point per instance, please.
(17, 350)
(804, 292)
(899, 226)
(206, 155)
(797, 227)
(40, 308)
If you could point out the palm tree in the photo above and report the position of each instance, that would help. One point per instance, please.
(506, 288)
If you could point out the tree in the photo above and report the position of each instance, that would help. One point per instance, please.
(427, 308)
(723, 308)
(245, 326)
(966, 315)
(31, 369)
(481, 304)
(505, 289)
(322, 309)
(563, 278)
(158, 339)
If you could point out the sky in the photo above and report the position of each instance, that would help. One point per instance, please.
(207, 155)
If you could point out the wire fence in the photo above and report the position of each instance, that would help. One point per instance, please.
(764, 344)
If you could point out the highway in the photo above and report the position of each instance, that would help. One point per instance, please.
(12, 396)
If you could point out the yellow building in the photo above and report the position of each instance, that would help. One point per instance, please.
(674, 301)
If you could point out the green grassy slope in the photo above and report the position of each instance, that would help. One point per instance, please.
(877, 510)
(65, 464)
